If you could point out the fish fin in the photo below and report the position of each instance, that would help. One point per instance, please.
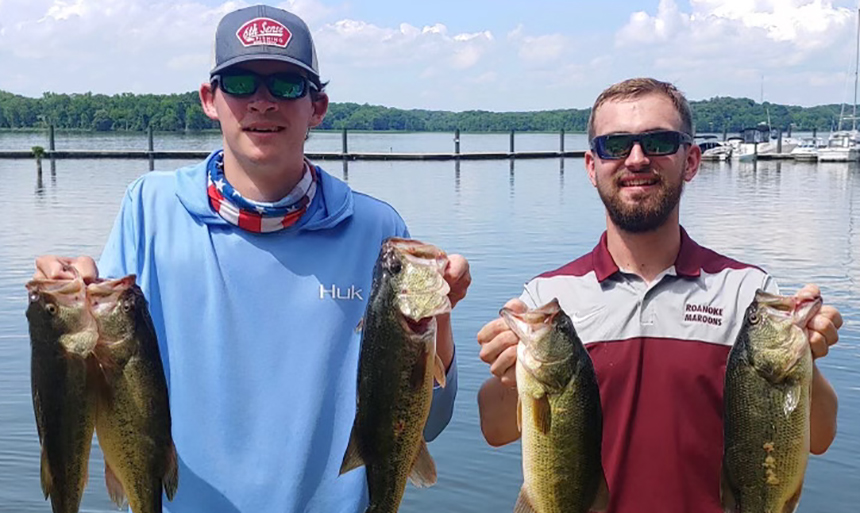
(47, 478)
(352, 457)
(524, 504)
(439, 372)
(424, 469)
(727, 496)
(360, 326)
(519, 415)
(601, 500)
(106, 362)
(794, 501)
(170, 481)
(792, 399)
(115, 488)
(542, 414)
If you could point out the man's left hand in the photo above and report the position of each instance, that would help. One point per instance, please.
(823, 327)
(458, 277)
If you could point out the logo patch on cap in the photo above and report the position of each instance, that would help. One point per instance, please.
(264, 31)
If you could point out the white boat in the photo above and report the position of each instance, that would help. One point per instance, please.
(713, 149)
(807, 149)
(754, 141)
(842, 146)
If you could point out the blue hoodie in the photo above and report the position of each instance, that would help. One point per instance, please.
(258, 340)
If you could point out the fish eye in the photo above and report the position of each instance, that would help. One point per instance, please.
(754, 318)
(126, 306)
(51, 308)
(395, 266)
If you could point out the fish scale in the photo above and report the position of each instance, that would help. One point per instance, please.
(560, 415)
(767, 408)
(133, 421)
(397, 366)
(62, 336)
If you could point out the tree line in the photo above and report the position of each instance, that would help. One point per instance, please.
(181, 112)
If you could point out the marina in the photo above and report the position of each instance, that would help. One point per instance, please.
(757, 143)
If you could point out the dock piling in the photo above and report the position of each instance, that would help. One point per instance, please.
(561, 150)
(457, 142)
(151, 147)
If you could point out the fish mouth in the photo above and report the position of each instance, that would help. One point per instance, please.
(421, 326)
(531, 325)
(64, 292)
(418, 252)
(799, 311)
(103, 295)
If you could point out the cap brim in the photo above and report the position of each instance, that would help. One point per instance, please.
(248, 58)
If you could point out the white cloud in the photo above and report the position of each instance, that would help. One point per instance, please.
(543, 49)
(65, 10)
(540, 51)
(644, 28)
(358, 44)
(804, 24)
(803, 48)
(108, 45)
(725, 47)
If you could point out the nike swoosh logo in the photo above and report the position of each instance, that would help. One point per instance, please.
(577, 319)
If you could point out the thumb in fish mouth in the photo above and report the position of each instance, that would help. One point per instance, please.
(527, 323)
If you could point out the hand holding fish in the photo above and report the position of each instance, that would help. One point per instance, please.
(822, 327)
(459, 278)
(51, 267)
(499, 346)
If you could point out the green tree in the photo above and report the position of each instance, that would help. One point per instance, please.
(102, 121)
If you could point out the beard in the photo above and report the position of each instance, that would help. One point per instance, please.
(641, 215)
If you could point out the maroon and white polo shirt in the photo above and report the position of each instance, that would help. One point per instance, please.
(660, 352)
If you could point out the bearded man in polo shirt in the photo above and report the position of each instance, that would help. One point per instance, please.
(656, 311)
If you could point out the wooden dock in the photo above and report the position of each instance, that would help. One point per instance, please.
(763, 156)
(200, 155)
(152, 154)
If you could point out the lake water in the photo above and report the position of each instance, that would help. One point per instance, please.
(801, 222)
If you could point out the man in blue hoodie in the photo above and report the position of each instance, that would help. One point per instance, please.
(257, 266)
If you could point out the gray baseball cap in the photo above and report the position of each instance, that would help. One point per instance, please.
(262, 32)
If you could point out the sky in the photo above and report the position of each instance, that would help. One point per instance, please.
(498, 55)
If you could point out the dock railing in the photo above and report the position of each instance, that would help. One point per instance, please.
(152, 154)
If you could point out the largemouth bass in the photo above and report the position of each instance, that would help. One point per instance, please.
(133, 416)
(767, 401)
(559, 415)
(397, 365)
(63, 335)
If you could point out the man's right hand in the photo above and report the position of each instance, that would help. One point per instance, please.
(51, 267)
(499, 346)
(497, 398)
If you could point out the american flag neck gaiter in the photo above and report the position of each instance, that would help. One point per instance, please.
(255, 216)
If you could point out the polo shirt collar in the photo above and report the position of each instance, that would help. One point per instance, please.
(688, 263)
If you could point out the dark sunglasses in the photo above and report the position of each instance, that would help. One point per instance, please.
(654, 144)
(243, 83)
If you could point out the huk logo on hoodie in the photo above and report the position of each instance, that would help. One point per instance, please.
(336, 292)
(264, 31)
